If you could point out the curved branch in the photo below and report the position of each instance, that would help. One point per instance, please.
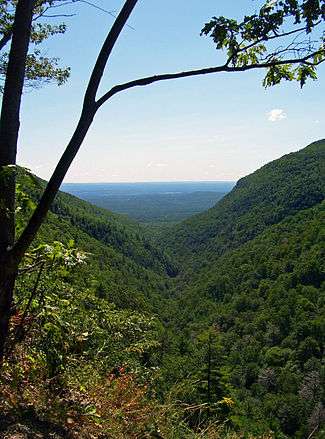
(157, 78)
(106, 50)
(189, 73)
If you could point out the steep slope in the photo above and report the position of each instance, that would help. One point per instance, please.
(248, 324)
(123, 265)
(83, 338)
(264, 307)
(280, 188)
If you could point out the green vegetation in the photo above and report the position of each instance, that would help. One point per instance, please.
(83, 331)
(265, 303)
(98, 336)
(120, 255)
(40, 69)
(224, 339)
(253, 275)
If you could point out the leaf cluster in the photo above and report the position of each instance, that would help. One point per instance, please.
(286, 37)
(40, 69)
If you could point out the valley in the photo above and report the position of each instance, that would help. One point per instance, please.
(152, 203)
(220, 316)
(162, 219)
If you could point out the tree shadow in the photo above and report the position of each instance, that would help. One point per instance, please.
(27, 424)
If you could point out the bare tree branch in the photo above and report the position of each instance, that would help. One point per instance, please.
(58, 15)
(275, 36)
(106, 50)
(223, 68)
(93, 5)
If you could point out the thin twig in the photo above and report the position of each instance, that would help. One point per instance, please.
(31, 298)
(313, 432)
(93, 5)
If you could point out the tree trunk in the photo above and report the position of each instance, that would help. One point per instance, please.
(89, 109)
(209, 375)
(9, 128)
(53, 185)
(7, 284)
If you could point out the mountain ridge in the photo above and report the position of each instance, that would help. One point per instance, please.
(279, 188)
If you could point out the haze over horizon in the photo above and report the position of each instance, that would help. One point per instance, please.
(148, 181)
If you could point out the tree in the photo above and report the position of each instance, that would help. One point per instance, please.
(39, 67)
(20, 29)
(250, 44)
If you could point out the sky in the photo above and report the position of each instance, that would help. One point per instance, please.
(213, 127)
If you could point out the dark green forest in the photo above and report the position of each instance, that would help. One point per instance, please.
(211, 328)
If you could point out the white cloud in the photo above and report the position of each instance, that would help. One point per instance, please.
(161, 165)
(156, 165)
(276, 114)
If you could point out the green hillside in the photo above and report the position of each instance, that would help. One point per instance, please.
(280, 188)
(231, 346)
(264, 307)
(116, 231)
(123, 265)
(248, 324)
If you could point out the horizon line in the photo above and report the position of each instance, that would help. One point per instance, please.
(152, 181)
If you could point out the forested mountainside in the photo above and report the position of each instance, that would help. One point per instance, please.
(253, 324)
(122, 265)
(84, 332)
(280, 188)
(116, 231)
(250, 301)
(126, 347)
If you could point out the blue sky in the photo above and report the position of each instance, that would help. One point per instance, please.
(218, 127)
